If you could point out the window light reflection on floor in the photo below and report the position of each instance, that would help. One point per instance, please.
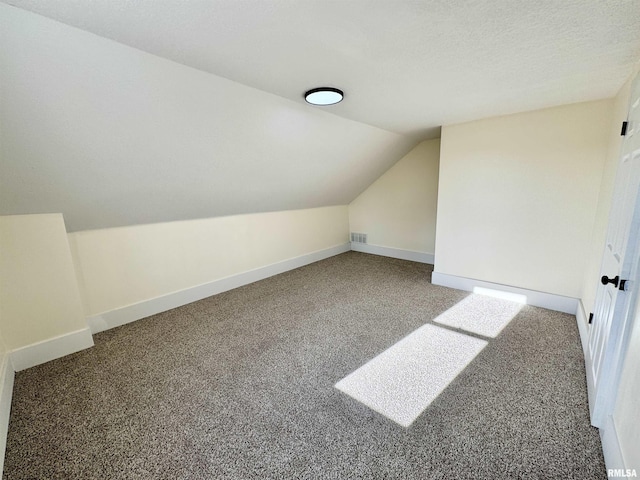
(402, 381)
(483, 314)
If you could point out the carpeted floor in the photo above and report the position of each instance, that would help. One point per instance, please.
(241, 385)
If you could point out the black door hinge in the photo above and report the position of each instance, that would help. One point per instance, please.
(590, 318)
(624, 128)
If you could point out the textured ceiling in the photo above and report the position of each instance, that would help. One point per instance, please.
(120, 112)
(406, 66)
(110, 136)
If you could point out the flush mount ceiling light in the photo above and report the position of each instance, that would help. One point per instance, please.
(324, 96)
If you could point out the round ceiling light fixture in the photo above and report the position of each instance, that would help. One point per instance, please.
(324, 96)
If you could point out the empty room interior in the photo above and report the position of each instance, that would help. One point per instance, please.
(319, 239)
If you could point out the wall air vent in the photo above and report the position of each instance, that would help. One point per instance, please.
(359, 237)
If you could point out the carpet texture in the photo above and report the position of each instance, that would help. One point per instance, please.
(241, 386)
(402, 381)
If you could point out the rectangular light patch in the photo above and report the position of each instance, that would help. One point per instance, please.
(513, 297)
(480, 314)
(404, 379)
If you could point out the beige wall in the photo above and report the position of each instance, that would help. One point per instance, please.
(39, 296)
(4, 352)
(122, 266)
(399, 209)
(518, 195)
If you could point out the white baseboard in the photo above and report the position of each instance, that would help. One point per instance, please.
(583, 327)
(613, 457)
(420, 257)
(50, 349)
(538, 299)
(131, 313)
(6, 394)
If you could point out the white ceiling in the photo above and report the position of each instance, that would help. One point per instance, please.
(406, 66)
(110, 136)
(102, 117)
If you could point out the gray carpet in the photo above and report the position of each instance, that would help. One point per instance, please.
(241, 385)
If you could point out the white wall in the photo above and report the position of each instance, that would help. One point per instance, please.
(39, 297)
(41, 315)
(110, 136)
(6, 391)
(399, 209)
(118, 267)
(626, 415)
(518, 195)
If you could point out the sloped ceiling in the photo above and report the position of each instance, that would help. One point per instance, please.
(407, 66)
(111, 136)
(204, 116)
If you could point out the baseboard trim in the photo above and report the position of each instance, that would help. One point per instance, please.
(131, 313)
(611, 449)
(411, 255)
(539, 299)
(50, 349)
(583, 327)
(6, 395)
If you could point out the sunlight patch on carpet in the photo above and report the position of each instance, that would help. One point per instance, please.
(404, 379)
(482, 314)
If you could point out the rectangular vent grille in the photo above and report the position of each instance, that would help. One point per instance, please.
(359, 237)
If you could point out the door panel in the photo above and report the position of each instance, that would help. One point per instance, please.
(611, 311)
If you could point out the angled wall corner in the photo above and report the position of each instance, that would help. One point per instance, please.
(398, 210)
(41, 314)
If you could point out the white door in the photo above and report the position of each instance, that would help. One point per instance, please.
(615, 295)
